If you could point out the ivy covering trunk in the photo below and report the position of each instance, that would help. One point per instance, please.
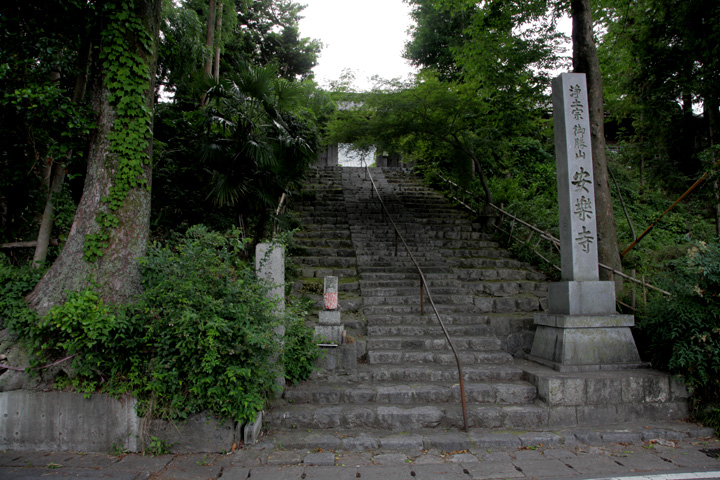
(111, 226)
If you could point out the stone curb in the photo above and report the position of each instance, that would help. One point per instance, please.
(478, 440)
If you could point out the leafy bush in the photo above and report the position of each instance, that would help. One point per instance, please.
(210, 327)
(300, 351)
(15, 283)
(200, 338)
(683, 331)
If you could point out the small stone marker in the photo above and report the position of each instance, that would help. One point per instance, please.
(251, 431)
(330, 329)
(581, 331)
(331, 293)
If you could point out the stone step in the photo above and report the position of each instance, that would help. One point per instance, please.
(497, 273)
(443, 443)
(411, 291)
(410, 283)
(329, 261)
(416, 232)
(430, 330)
(404, 275)
(504, 288)
(423, 357)
(322, 272)
(472, 318)
(402, 417)
(518, 303)
(476, 343)
(322, 242)
(404, 269)
(470, 253)
(325, 227)
(397, 299)
(442, 309)
(327, 393)
(326, 251)
(303, 286)
(407, 372)
(459, 318)
(402, 258)
(338, 218)
(480, 263)
(336, 234)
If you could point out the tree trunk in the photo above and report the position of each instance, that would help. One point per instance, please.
(55, 182)
(46, 224)
(585, 60)
(210, 40)
(218, 37)
(483, 180)
(116, 273)
(709, 109)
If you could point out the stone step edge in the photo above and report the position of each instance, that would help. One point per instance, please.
(476, 440)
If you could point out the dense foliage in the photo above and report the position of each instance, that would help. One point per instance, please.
(200, 337)
(661, 74)
(682, 332)
(41, 122)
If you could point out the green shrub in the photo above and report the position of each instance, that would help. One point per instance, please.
(200, 338)
(209, 328)
(682, 332)
(300, 350)
(15, 283)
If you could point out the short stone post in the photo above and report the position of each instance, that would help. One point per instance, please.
(330, 329)
(581, 331)
(270, 269)
(340, 357)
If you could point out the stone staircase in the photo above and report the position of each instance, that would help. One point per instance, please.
(395, 382)
(407, 378)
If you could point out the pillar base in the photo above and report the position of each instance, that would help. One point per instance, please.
(578, 343)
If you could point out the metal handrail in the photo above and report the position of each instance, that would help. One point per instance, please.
(548, 237)
(423, 284)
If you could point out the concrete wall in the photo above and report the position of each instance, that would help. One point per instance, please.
(33, 420)
(63, 421)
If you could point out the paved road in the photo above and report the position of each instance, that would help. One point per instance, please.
(661, 460)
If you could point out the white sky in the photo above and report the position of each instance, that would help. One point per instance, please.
(366, 36)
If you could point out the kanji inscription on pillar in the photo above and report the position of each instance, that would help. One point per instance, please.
(576, 192)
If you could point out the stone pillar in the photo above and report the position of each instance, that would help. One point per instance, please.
(328, 157)
(581, 330)
(270, 269)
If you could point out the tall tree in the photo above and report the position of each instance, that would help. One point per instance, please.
(269, 35)
(110, 230)
(585, 60)
(43, 121)
(436, 33)
(210, 39)
(661, 66)
(262, 135)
